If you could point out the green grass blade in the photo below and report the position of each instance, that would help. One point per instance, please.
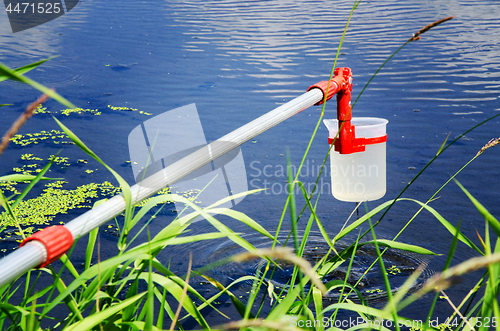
(128, 312)
(363, 219)
(400, 246)
(238, 305)
(110, 264)
(24, 69)
(67, 263)
(7, 207)
(492, 221)
(127, 196)
(242, 218)
(23, 178)
(34, 181)
(89, 322)
(176, 290)
(318, 306)
(148, 326)
(342, 285)
(451, 253)
(12, 74)
(92, 239)
(137, 325)
(90, 247)
(233, 197)
(391, 304)
(447, 225)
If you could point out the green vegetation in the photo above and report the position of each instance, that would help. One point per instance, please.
(55, 201)
(57, 137)
(68, 111)
(135, 291)
(128, 109)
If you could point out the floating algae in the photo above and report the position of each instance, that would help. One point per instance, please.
(96, 112)
(128, 109)
(60, 160)
(30, 157)
(41, 110)
(54, 201)
(9, 185)
(69, 111)
(56, 136)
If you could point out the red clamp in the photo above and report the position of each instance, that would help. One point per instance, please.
(57, 240)
(341, 81)
(341, 84)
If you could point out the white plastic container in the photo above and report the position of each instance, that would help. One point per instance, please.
(359, 176)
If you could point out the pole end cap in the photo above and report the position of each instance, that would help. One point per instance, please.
(57, 240)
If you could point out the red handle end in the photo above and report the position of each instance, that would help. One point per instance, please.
(57, 240)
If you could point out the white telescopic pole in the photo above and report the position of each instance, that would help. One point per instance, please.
(34, 253)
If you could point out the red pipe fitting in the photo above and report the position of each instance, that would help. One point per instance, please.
(57, 240)
(341, 84)
(340, 81)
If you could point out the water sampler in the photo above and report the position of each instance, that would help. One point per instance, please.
(357, 159)
(357, 168)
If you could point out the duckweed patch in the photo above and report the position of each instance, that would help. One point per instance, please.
(28, 169)
(56, 136)
(41, 110)
(69, 111)
(56, 184)
(30, 157)
(393, 270)
(60, 160)
(129, 109)
(54, 201)
(9, 186)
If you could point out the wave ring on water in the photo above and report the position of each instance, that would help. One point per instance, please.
(370, 282)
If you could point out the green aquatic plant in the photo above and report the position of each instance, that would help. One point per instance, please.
(41, 110)
(30, 157)
(128, 109)
(54, 201)
(70, 111)
(55, 136)
(60, 160)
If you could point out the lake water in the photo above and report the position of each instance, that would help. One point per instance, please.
(237, 61)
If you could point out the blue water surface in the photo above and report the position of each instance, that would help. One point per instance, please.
(237, 61)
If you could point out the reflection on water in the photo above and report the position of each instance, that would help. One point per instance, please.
(276, 37)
